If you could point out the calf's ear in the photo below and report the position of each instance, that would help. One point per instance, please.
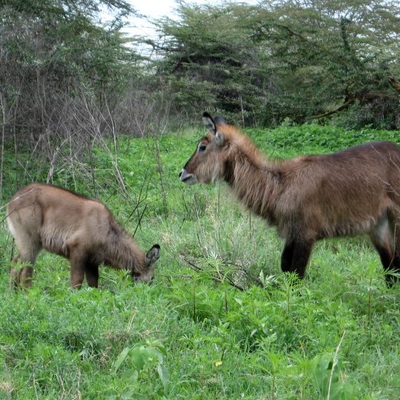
(153, 255)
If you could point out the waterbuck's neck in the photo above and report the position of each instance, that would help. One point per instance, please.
(254, 180)
(124, 253)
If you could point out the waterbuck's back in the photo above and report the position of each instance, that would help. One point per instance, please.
(341, 193)
(44, 216)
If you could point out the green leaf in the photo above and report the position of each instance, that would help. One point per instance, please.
(163, 373)
(121, 358)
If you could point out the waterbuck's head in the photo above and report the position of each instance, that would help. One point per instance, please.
(148, 274)
(206, 165)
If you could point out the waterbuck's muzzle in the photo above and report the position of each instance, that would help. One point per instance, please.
(187, 177)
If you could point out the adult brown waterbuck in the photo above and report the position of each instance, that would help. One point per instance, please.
(308, 198)
(81, 229)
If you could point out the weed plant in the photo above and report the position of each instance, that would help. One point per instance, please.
(220, 321)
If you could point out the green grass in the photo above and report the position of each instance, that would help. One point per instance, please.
(192, 334)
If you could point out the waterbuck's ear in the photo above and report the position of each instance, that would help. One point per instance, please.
(211, 125)
(153, 255)
(219, 138)
(219, 121)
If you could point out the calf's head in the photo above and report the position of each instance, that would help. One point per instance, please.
(148, 274)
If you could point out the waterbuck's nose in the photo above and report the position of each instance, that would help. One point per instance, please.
(187, 177)
(184, 176)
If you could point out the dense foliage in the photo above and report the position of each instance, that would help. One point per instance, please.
(286, 59)
(66, 74)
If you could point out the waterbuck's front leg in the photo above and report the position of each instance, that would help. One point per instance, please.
(295, 256)
(77, 275)
(92, 275)
(77, 258)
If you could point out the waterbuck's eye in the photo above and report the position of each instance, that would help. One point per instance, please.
(202, 147)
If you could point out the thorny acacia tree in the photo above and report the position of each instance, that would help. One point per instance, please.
(338, 54)
(297, 59)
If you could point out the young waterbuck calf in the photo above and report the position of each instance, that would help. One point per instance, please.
(308, 198)
(81, 229)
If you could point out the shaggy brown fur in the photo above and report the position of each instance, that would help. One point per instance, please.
(81, 229)
(308, 198)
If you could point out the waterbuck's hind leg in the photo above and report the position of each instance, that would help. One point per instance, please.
(391, 263)
(21, 278)
(295, 256)
(25, 278)
(395, 267)
(386, 239)
(29, 247)
(14, 278)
